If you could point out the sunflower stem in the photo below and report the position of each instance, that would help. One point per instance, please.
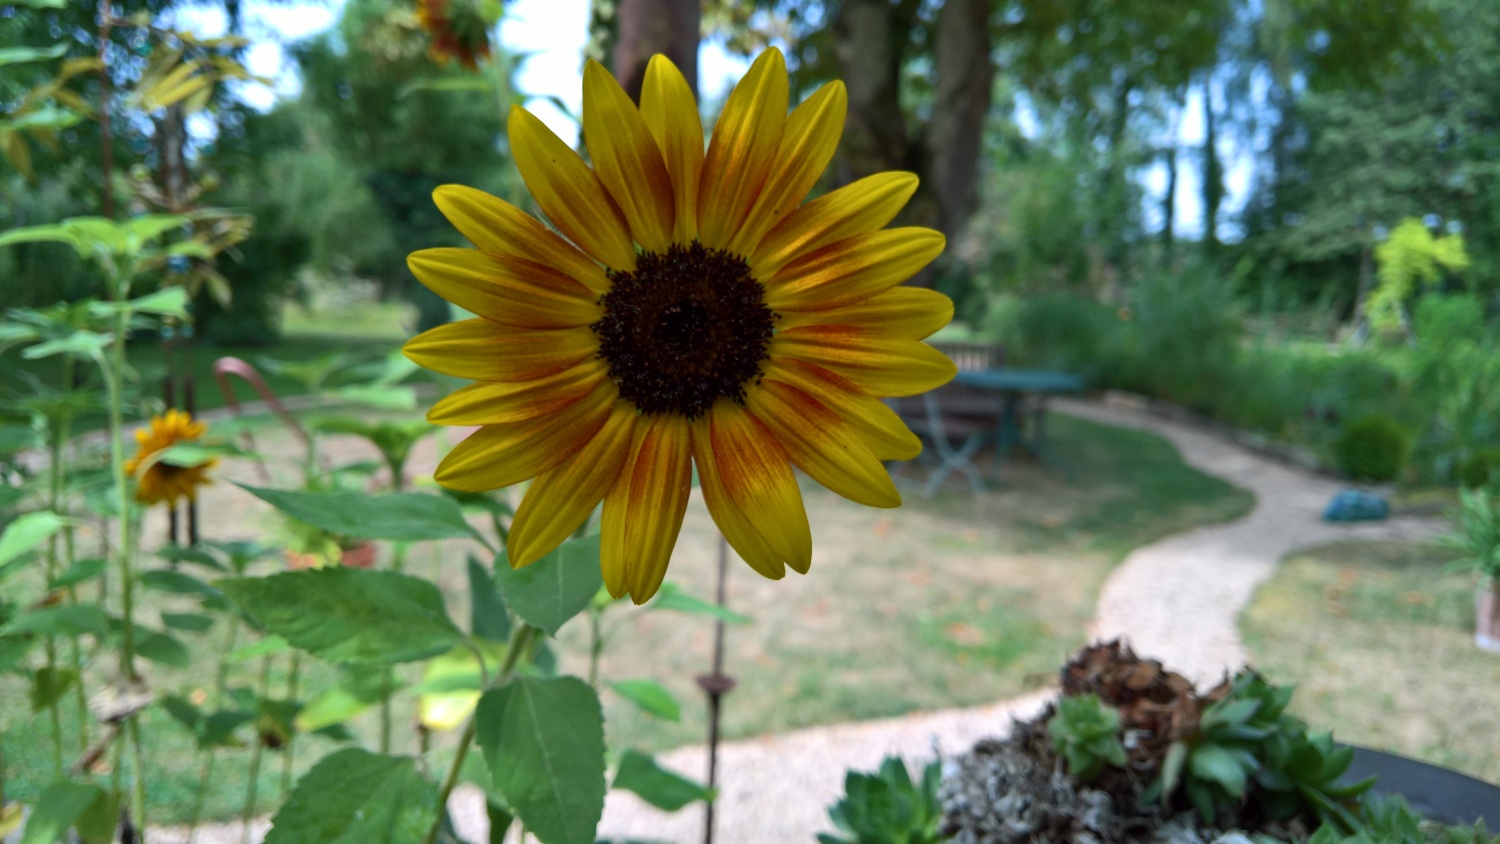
(231, 629)
(114, 371)
(54, 500)
(520, 641)
(290, 757)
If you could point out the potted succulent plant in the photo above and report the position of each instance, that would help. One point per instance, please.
(1477, 534)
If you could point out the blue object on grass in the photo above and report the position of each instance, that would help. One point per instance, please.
(1352, 505)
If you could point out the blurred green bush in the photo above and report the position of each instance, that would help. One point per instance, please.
(1372, 449)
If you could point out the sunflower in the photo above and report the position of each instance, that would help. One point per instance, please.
(689, 310)
(165, 482)
(459, 30)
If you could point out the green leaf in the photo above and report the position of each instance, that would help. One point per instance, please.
(267, 646)
(555, 588)
(47, 117)
(401, 517)
(544, 742)
(79, 344)
(13, 652)
(382, 397)
(149, 227)
(464, 83)
(161, 648)
(188, 622)
(59, 807)
(672, 597)
(357, 797)
(217, 728)
(76, 620)
(650, 696)
(488, 618)
(350, 615)
(656, 785)
(21, 55)
(39, 4)
(80, 572)
(99, 822)
(451, 685)
(178, 554)
(168, 301)
(176, 583)
(39, 234)
(29, 531)
(1215, 764)
(359, 688)
(49, 685)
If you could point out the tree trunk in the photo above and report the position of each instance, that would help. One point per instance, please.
(648, 27)
(1169, 202)
(961, 102)
(1116, 190)
(869, 42)
(1213, 172)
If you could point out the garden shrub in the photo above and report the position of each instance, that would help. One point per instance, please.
(1372, 449)
(1183, 337)
(1062, 331)
(1480, 469)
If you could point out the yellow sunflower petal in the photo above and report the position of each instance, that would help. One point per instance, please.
(647, 503)
(877, 364)
(560, 500)
(877, 424)
(743, 149)
(857, 208)
(822, 444)
(487, 351)
(486, 403)
(812, 135)
(627, 159)
(852, 269)
(910, 312)
(757, 476)
(496, 226)
(573, 197)
(501, 455)
(671, 113)
(505, 289)
(742, 536)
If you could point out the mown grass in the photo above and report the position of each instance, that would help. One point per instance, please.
(1379, 639)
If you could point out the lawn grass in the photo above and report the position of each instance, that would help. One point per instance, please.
(949, 601)
(1379, 639)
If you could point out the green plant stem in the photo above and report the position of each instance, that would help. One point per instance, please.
(221, 680)
(70, 556)
(250, 788)
(520, 641)
(290, 751)
(54, 499)
(387, 688)
(113, 372)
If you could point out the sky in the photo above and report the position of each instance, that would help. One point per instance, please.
(554, 32)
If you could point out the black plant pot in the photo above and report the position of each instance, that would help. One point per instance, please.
(1438, 793)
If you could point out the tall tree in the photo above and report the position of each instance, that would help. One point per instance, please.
(644, 28)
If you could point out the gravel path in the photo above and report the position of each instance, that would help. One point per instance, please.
(1177, 600)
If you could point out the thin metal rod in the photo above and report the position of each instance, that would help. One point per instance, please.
(716, 686)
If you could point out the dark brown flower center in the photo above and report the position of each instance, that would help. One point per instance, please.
(688, 327)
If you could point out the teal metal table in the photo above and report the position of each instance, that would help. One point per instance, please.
(987, 413)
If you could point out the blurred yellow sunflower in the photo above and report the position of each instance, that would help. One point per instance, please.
(161, 482)
(459, 30)
(692, 311)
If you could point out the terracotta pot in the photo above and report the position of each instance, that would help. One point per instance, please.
(1487, 616)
